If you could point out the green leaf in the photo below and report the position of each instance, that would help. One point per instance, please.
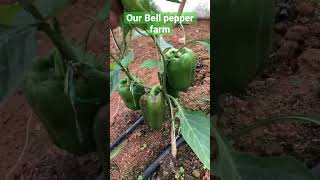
(114, 153)
(205, 43)
(127, 59)
(48, 9)
(195, 129)
(125, 30)
(136, 32)
(233, 165)
(8, 13)
(150, 63)
(115, 77)
(88, 58)
(163, 43)
(104, 12)
(17, 49)
(113, 66)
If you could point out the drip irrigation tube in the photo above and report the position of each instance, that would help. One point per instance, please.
(152, 167)
(125, 134)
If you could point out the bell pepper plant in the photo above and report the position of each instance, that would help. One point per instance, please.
(176, 74)
(65, 88)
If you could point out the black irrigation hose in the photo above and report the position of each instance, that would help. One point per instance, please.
(152, 167)
(125, 134)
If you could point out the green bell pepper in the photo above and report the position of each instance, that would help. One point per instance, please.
(242, 37)
(153, 107)
(131, 97)
(181, 68)
(44, 91)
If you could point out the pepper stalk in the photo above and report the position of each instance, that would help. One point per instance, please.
(163, 82)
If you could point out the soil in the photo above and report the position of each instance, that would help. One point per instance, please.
(41, 159)
(290, 85)
(145, 145)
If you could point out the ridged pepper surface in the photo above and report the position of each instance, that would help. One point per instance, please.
(181, 68)
(153, 107)
(131, 98)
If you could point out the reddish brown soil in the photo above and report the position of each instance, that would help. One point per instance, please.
(145, 145)
(42, 160)
(289, 86)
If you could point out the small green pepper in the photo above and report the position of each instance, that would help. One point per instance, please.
(153, 107)
(131, 97)
(181, 68)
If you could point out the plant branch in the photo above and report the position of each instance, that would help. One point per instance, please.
(123, 69)
(181, 7)
(117, 43)
(55, 36)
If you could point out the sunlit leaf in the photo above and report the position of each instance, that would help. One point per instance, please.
(195, 129)
(150, 63)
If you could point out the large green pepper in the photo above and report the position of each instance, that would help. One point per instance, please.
(242, 34)
(44, 91)
(153, 107)
(131, 97)
(181, 68)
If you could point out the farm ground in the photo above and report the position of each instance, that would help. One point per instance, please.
(290, 85)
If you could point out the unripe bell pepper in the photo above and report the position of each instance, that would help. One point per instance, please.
(181, 68)
(131, 97)
(242, 31)
(44, 91)
(153, 107)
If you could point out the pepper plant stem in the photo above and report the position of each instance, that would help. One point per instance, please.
(122, 67)
(55, 36)
(164, 75)
(164, 90)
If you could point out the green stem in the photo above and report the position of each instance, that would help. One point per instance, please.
(55, 36)
(123, 69)
(145, 86)
(117, 44)
(164, 62)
